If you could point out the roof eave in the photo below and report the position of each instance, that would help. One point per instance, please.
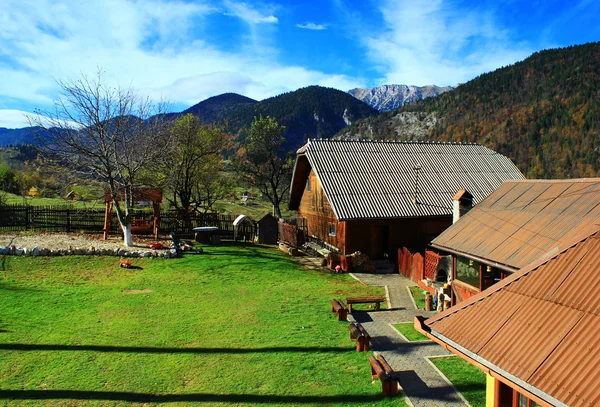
(542, 398)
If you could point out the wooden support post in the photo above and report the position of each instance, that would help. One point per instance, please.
(156, 208)
(107, 219)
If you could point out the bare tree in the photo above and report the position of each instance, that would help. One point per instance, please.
(105, 133)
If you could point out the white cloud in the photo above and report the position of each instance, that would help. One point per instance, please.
(14, 119)
(312, 26)
(431, 42)
(156, 46)
(193, 89)
(249, 14)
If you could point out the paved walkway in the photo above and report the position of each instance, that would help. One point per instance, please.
(421, 383)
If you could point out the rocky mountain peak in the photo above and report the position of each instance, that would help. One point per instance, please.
(390, 97)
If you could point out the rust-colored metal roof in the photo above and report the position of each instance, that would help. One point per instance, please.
(522, 220)
(398, 179)
(539, 328)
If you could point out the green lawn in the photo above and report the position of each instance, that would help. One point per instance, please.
(238, 325)
(408, 330)
(418, 296)
(469, 380)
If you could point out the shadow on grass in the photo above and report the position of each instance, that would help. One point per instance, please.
(192, 397)
(146, 349)
(414, 386)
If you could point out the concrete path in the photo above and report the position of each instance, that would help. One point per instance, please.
(422, 384)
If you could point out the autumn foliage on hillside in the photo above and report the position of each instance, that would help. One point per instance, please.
(543, 113)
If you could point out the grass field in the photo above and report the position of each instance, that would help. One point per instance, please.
(418, 296)
(239, 325)
(12, 199)
(408, 330)
(467, 379)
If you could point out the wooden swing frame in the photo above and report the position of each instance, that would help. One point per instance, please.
(153, 195)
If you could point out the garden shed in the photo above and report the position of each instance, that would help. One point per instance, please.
(376, 197)
(243, 228)
(267, 229)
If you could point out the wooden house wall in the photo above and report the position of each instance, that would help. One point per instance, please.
(367, 236)
(315, 207)
(414, 234)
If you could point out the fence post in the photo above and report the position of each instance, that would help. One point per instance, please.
(68, 220)
(27, 217)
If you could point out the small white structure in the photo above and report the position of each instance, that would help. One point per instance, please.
(243, 228)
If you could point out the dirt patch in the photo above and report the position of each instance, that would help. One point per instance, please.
(55, 241)
(145, 290)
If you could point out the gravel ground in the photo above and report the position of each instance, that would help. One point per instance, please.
(53, 241)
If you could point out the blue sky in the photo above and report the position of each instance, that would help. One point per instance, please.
(187, 51)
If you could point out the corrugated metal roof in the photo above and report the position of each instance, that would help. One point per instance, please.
(375, 179)
(541, 325)
(521, 220)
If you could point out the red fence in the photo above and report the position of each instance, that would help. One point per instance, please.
(415, 266)
(291, 234)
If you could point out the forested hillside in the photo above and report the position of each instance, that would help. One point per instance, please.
(311, 112)
(217, 107)
(543, 113)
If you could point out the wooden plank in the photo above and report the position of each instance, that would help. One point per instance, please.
(377, 371)
(363, 300)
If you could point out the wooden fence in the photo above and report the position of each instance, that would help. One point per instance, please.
(293, 231)
(67, 219)
(416, 267)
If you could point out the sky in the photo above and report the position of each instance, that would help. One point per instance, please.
(186, 51)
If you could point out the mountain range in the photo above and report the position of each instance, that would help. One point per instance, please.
(542, 112)
(390, 97)
(311, 112)
(314, 111)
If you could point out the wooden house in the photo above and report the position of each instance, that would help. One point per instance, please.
(513, 226)
(376, 197)
(535, 333)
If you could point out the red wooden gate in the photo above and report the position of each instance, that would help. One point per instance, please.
(411, 265)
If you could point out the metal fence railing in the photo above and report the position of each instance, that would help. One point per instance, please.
(68, 219)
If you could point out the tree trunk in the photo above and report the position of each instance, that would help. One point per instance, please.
(127, 240)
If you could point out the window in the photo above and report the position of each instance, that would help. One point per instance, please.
(331, 229)
(308, 184)
(522, 401)
(467, 271)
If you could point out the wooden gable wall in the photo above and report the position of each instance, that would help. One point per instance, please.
(315, 207)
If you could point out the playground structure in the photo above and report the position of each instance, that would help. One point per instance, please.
(138, 226)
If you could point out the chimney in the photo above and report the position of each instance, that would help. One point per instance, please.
(461, 204)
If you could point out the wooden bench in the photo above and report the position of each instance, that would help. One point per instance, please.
(365, 300)
(360, 335)
(380, 369)
(340, 308)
